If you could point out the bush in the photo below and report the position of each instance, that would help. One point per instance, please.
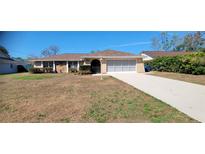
(41, 70)
(73, 70)
(48, 70)
(190, 64)
(84, 69)
(36, 70)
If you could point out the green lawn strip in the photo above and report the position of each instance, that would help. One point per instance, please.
(7, 75)
(28, 76)
(32, 77)
(140, 107)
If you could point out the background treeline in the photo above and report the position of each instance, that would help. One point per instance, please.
(172, 41)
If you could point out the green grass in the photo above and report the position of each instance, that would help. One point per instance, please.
(41, 116)
(7, 108)
(33, 77)
(129, 106)
(65, 120)
(28, 76)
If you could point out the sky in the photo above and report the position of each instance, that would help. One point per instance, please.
(31, 43)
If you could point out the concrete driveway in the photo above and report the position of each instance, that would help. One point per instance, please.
(186, 97)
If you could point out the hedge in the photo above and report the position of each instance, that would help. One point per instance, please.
(84, 69)
(41, 70)
(190, 64)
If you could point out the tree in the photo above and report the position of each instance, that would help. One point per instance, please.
(174, 42)
(51, 50)
(193, 41)
(201, 50)
(198, 40)
(188, 42)
(54, 49)
(45, 53)
(165, 41)
(156, 44)
(4, 50)
(94, 51)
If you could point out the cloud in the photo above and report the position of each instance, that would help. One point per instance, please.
(131, 44)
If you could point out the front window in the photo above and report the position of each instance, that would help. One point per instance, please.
(47, 64)
(73, 64)
(37, 63)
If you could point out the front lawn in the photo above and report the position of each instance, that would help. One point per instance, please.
(198, 79)
(28, 76)
(74, 98)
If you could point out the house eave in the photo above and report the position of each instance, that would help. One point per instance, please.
(38, 60)
(110, 57)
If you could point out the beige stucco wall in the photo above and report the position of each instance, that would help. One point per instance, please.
(140, 65)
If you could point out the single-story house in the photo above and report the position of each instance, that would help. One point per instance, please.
(149, 55)
(100, 62)
(7, 64)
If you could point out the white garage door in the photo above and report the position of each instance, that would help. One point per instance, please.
(121, 65)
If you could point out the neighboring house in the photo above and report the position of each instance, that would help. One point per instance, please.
(149, 55)
(9, 65)
(100, 62)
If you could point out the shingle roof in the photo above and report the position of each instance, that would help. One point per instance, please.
(79, 56)
(155, 54)
(69, 56)
(3, 55)
(111, 53)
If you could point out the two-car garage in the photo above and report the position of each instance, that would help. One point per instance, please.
(121, 65)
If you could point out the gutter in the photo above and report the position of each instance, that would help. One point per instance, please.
(105, 57)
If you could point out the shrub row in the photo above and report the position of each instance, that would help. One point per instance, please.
(41, 70)
(190, 64)
(84, 69)
(73, 70)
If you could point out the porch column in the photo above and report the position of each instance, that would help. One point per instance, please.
(101, 77)
(103, 66)
(78, 65)
(67, 66)
(54, 66)
(41, 64)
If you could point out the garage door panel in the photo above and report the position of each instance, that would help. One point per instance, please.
(110, 63)
(121, 65)
(118, 69)
(111, 69)
(125, 69)
(132, 63)
(131, 68)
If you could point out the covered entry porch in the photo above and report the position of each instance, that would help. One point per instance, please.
(58, 66)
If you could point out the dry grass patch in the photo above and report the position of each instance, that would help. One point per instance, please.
(74, 98)
(198, 79)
